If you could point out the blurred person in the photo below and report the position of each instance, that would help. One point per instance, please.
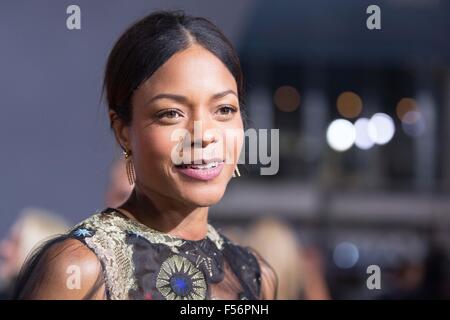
(315, 284)
(405, 282)
(118, 189)
(168, 73)
(419, 278)
(300, 271)
(234, 233)
(436, 282)
(31, 228)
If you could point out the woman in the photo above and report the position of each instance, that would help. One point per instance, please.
(33, 226)
(167, 77)
(300, 268)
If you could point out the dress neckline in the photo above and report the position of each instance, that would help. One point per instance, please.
(211, 234)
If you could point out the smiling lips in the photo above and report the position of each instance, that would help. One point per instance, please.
(205, 171)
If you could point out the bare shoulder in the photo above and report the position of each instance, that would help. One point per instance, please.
(65, 269)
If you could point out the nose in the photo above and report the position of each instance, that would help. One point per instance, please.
(203, 133)
(204, 141)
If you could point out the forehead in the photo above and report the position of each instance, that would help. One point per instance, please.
(191, 71)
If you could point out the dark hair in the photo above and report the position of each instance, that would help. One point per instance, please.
(149, 43)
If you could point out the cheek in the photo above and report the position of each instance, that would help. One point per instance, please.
(153, 147)
(234, 140)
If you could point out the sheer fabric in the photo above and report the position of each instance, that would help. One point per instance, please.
(109, 256)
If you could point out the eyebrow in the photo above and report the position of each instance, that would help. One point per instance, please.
(184, 99)
(223, 94)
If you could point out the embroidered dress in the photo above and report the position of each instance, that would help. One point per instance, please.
(141, 263)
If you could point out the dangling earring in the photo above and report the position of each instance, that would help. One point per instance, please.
(236, 172)
(130, 169)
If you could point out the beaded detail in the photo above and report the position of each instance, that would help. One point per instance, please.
(109, 242)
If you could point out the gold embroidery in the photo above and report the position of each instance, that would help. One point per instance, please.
(199, 260)
(215, 237)
(179, 279)
(109, 244)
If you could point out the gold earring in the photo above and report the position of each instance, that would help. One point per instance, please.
(130, 169)
(236, 172)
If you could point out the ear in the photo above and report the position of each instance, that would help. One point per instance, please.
(121, 131)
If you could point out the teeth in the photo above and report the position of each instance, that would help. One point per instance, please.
(203, 166)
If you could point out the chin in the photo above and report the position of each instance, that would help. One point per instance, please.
(203, 196)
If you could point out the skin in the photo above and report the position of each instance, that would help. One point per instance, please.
(57, 264)
(162, 198)
(118, 188)
(9, 256)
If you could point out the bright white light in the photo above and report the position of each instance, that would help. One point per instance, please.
(381, 129)
(341, 134)
(363, 139)
(345, 255)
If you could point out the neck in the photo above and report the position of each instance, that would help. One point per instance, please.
(167, 215)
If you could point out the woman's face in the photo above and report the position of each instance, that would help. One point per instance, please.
(192, 91)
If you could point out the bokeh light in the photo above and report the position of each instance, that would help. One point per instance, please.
(413, 124)
(382, 128)
(287, 98)
(404, 106)
(345, 255)
(349, 104)
(341, 134)
(363, 139)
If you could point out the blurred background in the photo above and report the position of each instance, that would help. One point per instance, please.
(364, 175)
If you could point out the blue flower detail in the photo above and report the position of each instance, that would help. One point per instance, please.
(180, 285)
(178, 278)
(82, 232)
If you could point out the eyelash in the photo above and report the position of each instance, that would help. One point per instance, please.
(228, 107)
(164, 113)
(167, 112)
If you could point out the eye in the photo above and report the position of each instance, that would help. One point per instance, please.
(169, 114)
(226, 110)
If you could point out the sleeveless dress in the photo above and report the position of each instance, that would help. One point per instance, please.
(141, 263)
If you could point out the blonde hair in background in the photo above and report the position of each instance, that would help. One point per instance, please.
(33, 227)
(276, 242)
